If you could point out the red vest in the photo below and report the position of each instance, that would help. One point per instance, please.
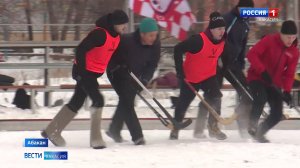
(98, 57)
(202, 65)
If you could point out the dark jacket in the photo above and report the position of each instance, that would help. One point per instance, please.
(131, 55)
(270, 55)
(96, 38)
(235, 47)
(22, 99)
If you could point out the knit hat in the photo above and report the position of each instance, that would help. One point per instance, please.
(216, 20)
(148, 25)
(289, 27)
(119, 17)
(246, 3)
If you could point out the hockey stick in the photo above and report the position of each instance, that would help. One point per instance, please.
(176, 124)
(265, 114)
(224, 121)
(160, 117)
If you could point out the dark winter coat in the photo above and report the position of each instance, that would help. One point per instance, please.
(237, 37)
(96, 38)
(270, 55)
(22, 99)
(131, 55)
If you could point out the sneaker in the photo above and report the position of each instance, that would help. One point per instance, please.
(174, 134)
(140, 141)
(116, 137)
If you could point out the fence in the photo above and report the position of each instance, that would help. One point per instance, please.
(46, 65)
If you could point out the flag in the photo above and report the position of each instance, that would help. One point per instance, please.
(173, 15)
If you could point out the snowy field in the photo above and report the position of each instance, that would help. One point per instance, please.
(187, 152)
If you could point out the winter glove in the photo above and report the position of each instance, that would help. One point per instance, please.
(287, 97)
(266, 77)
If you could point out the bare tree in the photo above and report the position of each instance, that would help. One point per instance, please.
(68, 20)
(80, 6)
(28, 19)
(52, 19)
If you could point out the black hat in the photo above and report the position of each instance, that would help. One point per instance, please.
(216, 20)
(289, 27)
(119, 17)
(246, 3)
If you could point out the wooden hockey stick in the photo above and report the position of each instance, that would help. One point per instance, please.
(224, 121)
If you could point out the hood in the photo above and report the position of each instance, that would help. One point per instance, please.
(235, 11)
(104, 23)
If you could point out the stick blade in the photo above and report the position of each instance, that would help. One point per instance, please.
(228, 121)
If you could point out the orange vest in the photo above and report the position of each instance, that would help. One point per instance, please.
(202, 65)
(98, 57)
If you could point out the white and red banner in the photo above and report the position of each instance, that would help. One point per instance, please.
(174, 15)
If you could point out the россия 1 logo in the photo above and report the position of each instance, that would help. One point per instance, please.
(271, 14)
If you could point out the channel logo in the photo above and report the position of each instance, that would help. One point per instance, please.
(259, 12)
(29, 155)
(47, 155)
(36, 142)
(55, 155)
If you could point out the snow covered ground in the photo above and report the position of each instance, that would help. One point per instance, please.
(187, 152)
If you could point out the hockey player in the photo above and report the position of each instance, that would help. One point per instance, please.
(234, 61)
(139, 52)
(199, 68)
(92, 57)
(273, 61)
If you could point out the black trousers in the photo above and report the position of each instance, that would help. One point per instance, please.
(86, 85)
(125, 111)
(212, 95)
(244, 101)
(261, 95)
